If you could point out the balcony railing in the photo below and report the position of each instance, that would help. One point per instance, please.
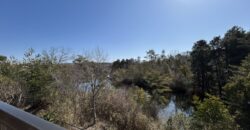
(12, 118)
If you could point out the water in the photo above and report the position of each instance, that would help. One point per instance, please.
(177, 104)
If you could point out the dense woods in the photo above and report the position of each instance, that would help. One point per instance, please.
(87, 92)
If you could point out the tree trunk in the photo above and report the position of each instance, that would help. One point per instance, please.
(94, 109)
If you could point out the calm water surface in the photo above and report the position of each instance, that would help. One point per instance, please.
(177, 104)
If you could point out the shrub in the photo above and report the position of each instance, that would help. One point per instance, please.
(178, 122)
(118, 108)
(212, 114)
(10, 91)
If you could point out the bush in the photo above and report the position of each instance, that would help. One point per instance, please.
(178, 122)
(118, 108)
(212, 114)
(10, 91)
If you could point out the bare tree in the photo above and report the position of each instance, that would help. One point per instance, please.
(55, 55)
(95, 75)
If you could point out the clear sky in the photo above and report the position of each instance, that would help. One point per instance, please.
(122, 28)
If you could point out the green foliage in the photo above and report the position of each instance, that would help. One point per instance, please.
(178, 122)
(212, 63)
(80, 59)
(158, 86)
(219, 70)
(179, 69)
(212, 114)
(238, 93)
(141, 96)
(36, 77)
(200, 65)
(3, 58)
(44, 81)
(236, 41)
(151, 55)
(158, 76)
(33, 78)
(50, 116)
(10, 91)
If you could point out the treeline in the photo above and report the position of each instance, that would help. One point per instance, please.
(84, 91)
(75, 95)
(211, 68)
(158, 74)
(220, 69)
(213, 63)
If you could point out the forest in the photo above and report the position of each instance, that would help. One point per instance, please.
(85, 91)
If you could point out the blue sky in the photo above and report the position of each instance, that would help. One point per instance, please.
(122, 28)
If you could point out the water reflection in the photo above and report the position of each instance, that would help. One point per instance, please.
(178, 103)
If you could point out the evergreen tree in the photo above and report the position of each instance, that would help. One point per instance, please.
(200, 65)
(238, 93)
